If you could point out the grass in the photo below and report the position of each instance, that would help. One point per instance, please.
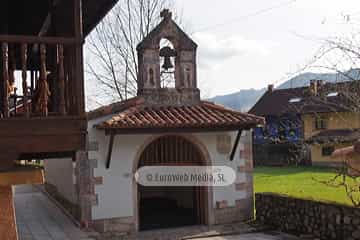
(300, 182)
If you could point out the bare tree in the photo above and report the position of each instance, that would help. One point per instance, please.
(112, 56)
(347, 177)
(341, 55)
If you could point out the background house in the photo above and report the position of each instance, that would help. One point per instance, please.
(323, 115)
(280, 141)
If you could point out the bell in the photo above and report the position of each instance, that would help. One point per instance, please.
(167, 53)
(167, 63)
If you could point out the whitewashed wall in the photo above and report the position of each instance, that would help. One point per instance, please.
(60, 173)
(116, 196)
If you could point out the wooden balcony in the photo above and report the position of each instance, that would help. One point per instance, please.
(41, 96)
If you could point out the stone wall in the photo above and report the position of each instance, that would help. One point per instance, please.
(243, 211)
(298, 216)
(121, 225)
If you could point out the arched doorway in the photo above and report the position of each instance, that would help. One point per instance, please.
(163, 207)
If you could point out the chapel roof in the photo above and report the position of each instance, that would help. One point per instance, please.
(135, 116)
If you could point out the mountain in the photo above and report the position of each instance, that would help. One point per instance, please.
(305, 78)
(244, 99)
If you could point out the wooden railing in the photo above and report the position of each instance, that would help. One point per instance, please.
(47, 76)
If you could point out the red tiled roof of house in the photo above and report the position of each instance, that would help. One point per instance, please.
(204, 115)
(114, 108)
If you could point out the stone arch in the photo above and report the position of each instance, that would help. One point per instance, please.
(209, 211)
(151, 76)
(168, 78)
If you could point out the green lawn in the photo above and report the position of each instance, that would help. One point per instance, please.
(299, 182)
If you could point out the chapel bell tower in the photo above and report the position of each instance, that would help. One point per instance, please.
(175, 61)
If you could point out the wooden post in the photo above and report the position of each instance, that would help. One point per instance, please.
(61, 80)
(24, 78)
(5, 61)
(79, 68)
(43, 88)
(12, 67)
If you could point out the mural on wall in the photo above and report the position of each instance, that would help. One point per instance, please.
(279, 129)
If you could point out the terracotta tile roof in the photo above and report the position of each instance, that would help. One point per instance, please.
(205, 115)
(114, 108)
(305, 102)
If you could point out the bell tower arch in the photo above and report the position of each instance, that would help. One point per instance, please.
(175, 61)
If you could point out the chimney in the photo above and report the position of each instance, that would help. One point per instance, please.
(270, 88)
(314, 87)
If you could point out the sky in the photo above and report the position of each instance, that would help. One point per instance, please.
(253, 43)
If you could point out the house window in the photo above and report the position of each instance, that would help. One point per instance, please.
(320, 123)
(295, 100)
(327, 151)
(332, 94)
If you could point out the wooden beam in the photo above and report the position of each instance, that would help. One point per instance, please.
(48, 20)
(7, 214)
(79, 64)
(132, 131)
(41, 135)
(236, 143)
(39, 40)
(111, 145)
(20, 177)
(46, 155)
(16, 127)
(46, 26)
(5, 79)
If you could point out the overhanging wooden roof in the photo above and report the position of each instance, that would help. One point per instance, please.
(94, 11)
(18, 13)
